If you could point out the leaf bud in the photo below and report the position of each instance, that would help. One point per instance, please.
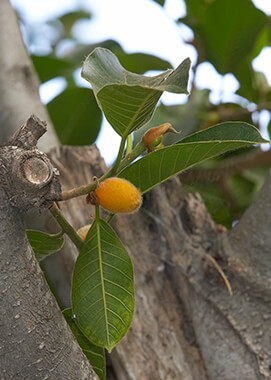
(154, 136)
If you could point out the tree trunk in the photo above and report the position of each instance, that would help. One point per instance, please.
(36, 342)
(19, 84)
(186, 325)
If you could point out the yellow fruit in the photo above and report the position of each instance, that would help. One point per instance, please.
(118, 195)
(82, 232)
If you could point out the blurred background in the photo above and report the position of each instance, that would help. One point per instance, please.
(228, 43)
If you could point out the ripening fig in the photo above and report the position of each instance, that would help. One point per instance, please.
(82, 232)
(117, 195)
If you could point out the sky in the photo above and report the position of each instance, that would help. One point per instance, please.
(139, 26)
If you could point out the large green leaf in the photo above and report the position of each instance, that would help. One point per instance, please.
(49, 67)
(44, 244)
(95, 354)
(140, 63)
(162, 164)
(136, 62)
(229, 34)
(229, 131)
(103, 287)
(76, 116)
(226, 31)
(128, 100)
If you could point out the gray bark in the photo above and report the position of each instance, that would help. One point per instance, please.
(251, 238)
(36, 342)
(19, 84)
(19, 88)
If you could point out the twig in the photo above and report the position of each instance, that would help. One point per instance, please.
(86, 189)
(220, 271)
(66, 227)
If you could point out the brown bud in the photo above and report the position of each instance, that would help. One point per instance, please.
(153, 137)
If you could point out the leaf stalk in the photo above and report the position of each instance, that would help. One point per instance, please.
(66, 227)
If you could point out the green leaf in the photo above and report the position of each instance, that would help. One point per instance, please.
(229, 131)
(128, 100)
(76, 116)
(140, 63)
(160, 2)
(225, 32)
(158, 166)
(229, 40)
(44, 244)
(49, 67)
(69, 19)
(95, 354)
(136, 62)
(103, 287)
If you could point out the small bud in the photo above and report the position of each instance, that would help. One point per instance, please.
(154, 136)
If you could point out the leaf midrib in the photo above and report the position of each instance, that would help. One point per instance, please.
(102, 280)
(129, 130)
(150, 95)
(243, 142)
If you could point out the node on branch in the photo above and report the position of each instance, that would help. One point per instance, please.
(26, 174)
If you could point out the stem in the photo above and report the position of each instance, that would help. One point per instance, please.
(77, 191)
(66, 227)
(110, 217)
(97, 213)
(137, 151)
(114, 168)
(129, 144)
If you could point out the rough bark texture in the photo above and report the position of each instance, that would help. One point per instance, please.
(19, 84)
(186, 325)
(36, 342)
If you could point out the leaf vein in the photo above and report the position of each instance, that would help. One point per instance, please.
(119, 300)
(121, 287)
(118, 270)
